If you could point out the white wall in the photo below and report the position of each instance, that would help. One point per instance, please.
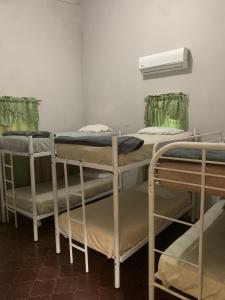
(40, 56)
(117, 32)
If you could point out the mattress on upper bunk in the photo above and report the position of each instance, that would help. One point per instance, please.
(212, 179)
(103, 155)
(21, 143)
(44, 199)
(133, 218)
(184, 277)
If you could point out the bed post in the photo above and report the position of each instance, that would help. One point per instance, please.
(33, 187)
(201, 225)
(84, 217)
(55, 198)
(116, 212)
(68, 211)
(193, 207)
(2, 190)
(151, 206)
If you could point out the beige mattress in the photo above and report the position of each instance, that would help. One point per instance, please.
(211, 181)
(184, 277)
(93, 187)
(103, 155)
(133, 218)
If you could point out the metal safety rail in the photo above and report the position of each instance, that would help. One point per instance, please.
(154, 179)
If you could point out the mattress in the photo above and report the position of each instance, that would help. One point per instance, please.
(212, 181)
(44, 199)
(133, 218)
(183, 276)
(103, 155)
(21, 143)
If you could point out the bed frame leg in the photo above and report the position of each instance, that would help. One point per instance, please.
(33, 188)
(117, 273)
(35, 228)
(55, 195)
(193, 210)
(116, 211)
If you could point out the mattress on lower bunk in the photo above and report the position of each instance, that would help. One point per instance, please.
(183, 276)
(213, 181)
(133, 218)
(44, 199)
(103, 155)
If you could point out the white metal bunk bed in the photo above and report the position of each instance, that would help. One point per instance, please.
(105, 158)
(36, 200)
(194, 264)
(25, 147)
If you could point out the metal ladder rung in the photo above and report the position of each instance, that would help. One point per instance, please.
(78, 247)
(11, 209)
(76, 221)
(9, 181)
(7, 166)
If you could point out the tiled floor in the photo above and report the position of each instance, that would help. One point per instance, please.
(31, 270)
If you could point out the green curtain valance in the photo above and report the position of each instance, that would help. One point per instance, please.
(18, 113)
(167, 110)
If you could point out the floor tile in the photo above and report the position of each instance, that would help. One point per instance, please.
(19, 290)
(67, 296)
(50, 272)
(66, 284)
(26, 275)
(86, 295)
(88, 282)
(44, 287)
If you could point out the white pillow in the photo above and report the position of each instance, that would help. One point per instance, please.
(95, 128)
(160, 130)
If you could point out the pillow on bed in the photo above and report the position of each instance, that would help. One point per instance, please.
(160, 130)
(95, 128)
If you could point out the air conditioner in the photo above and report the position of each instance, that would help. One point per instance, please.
(165, 61)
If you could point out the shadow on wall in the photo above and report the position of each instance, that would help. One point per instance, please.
(172, 72)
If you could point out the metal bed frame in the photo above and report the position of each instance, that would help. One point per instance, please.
(2, 196)
(7, 158)
(154, 180)
(116, 171)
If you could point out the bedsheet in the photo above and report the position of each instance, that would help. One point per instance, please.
(103, 155)
(133, 218)
(183, 276)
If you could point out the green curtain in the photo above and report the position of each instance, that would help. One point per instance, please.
(167, 110)
(18, 113)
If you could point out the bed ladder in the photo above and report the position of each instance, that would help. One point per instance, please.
(9, 184)
(70, 219)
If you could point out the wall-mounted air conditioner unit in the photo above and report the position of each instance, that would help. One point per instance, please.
(165, 61)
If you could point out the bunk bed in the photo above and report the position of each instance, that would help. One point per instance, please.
(36, 200)
(190, 266)
(85, 225)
